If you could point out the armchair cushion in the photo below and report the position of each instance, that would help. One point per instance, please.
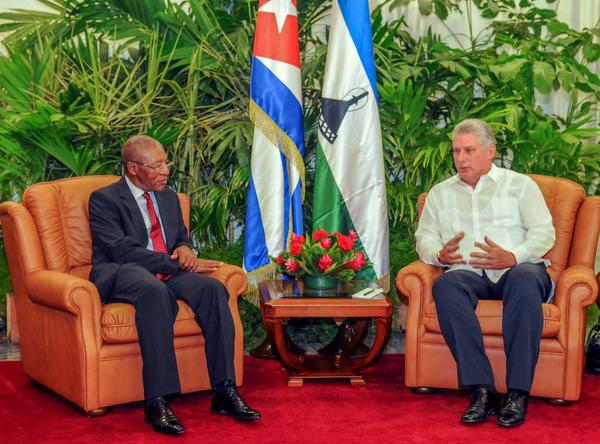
(118, 323)
(489, 314)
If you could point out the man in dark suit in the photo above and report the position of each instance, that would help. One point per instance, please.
(142, 255)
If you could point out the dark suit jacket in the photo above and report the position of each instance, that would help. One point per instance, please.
(119, 235)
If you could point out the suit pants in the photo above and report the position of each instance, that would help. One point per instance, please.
(522, 290)
(156, 309)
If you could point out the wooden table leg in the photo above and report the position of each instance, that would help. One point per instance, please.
(317, 366)
(348, 339)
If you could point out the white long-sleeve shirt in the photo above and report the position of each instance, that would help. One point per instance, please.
(506, 206)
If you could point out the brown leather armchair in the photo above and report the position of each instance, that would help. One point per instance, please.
(71, 343)
(559, 370)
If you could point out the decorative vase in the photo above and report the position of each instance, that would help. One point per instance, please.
(319, 282)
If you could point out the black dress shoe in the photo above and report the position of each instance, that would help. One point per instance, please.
(483, 404)
(161, 417)
(514, 409)
(227, 401)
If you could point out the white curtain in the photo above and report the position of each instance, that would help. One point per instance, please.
(579, 14)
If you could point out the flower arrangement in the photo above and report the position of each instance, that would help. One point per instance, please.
(322, 254)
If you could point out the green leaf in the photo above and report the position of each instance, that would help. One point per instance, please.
(509, 71)
(543, 76)
(567, 79)
(591, 52)
(425, 7)
(555, 27)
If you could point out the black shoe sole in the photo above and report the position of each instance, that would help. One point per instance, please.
(164, 432)
(511, 425)
(238, 417)
(491, 412)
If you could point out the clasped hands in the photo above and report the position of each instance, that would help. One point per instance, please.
(492, 257)
(189, 262)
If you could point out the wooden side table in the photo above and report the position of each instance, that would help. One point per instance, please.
(282, 300)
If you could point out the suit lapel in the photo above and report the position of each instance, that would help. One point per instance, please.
(134, 210)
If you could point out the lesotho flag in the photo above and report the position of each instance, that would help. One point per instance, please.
(350, 182)
(277, 168)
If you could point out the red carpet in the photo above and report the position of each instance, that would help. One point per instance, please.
(322, 411)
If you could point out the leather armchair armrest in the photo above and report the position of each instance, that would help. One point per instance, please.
(64, 292)
(416, 280)
(234, 279)
(576, 287)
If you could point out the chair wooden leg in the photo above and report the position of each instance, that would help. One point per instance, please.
(422, 390)
(97, 412)
(560, 402)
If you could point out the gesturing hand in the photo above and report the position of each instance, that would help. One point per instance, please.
(186, 257)
(449, 253)
(493, 258)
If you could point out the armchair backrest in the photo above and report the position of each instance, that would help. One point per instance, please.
(60, 212)
(568, 206)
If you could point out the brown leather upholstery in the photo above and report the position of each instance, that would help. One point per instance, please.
(576, 219)
(70, 342)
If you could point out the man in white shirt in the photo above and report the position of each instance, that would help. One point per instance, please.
(490, 227)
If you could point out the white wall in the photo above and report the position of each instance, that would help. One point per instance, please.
(20, 4)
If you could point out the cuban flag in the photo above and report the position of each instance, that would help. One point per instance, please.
(277, 166)
(350, 183)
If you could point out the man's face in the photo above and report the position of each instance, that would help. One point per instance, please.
(148, 170)
(471, 159)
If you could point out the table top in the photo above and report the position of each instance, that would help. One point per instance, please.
(287, 299)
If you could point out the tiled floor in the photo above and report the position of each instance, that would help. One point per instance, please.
(8, 350)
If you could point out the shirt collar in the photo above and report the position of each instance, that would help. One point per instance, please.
(492, 174)
(136, 191)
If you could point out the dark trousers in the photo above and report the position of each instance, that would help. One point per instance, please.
(156, 309)
(522, 290)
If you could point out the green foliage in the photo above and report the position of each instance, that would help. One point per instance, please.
(426, 87)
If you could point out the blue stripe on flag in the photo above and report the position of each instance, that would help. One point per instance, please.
(297, 222)
(275, 99)
(358, 21)
(255, 247)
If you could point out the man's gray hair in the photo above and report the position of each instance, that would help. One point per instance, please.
(481, 129)
(135, 146)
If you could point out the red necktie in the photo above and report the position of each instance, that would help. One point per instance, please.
(158, 242)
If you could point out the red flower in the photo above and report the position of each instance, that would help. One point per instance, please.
(291, 265)
(295, 249)
(358, 262)
(298, 239)
(353, 235)
(280, 259)
(326, 242)
(320, 234)
(325, 262)
(346, 243)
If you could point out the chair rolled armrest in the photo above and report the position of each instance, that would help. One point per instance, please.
(576, 287)
(416, 280)
(234, 278)
(64, 292)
